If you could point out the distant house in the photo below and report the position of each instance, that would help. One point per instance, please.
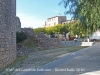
(56, 20)
(68, 21)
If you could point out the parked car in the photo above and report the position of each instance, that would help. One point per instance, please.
(77, 39)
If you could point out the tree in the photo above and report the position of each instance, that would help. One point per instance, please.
(60, 28)
(38, 30)
(49, 30)
(85, 11)
(76, 28)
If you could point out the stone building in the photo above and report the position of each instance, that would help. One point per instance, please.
(7, 32)
(57, 20)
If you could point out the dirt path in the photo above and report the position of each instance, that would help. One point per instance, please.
(39, 58)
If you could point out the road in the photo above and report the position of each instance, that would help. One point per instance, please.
(83, 62)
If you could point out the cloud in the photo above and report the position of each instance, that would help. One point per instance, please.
(56, 11)
(30, 20)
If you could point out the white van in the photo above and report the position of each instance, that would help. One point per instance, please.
(95, 36)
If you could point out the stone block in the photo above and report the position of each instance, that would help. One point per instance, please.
(46, 42)
(5, 56)
(1, 49)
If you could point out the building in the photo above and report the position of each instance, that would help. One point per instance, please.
(68, 21)
(56, 20)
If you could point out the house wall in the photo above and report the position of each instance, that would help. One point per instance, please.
(61, 19)
(55, 20)
(52, 21)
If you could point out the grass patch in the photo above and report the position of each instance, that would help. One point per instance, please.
(16, 64)
(27, 43)
(68, 49)
(74, 49)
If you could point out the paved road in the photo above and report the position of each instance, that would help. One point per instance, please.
(83, 62)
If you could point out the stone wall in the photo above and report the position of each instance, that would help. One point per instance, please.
(73, 43)
(31, 35)
(47, 43)
(29, 31)
(41, 40)
(7, 32)
(18, 25)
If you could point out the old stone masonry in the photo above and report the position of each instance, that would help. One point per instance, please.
(7, 32)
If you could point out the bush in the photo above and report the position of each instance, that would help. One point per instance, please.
(20, 37)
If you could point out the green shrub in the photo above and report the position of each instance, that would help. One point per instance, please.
(20, 37)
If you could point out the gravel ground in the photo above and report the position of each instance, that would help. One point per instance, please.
(39, 58)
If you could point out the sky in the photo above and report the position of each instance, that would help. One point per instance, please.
(34, 13)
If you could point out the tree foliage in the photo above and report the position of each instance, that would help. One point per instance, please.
(85, 11)
(76, 28)
(38, 30)
(60, 28)
(20, 36)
